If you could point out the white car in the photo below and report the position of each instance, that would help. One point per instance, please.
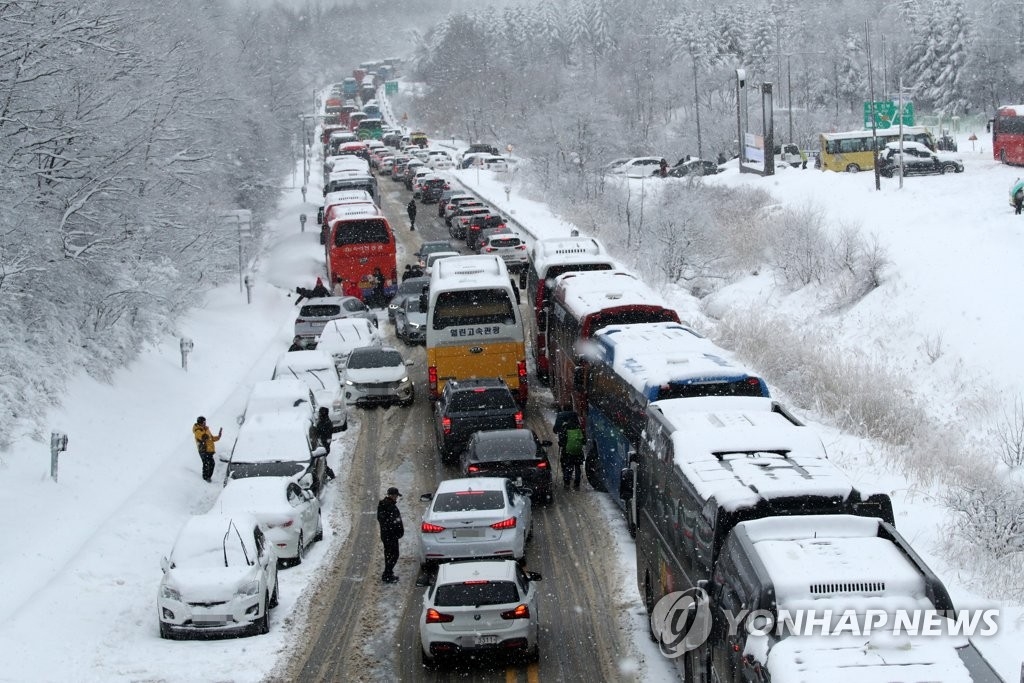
(220, 579)
(317, 369)
(378, 375)
(638, 167)
(439, 160)
(289, 514)
(278, 446)
(482, 517)
(509, 246)
(480, 607)
(435, 257)
(280, 396)
(340, 337)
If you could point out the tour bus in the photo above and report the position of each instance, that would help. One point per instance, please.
(371, 129)
(583, 303)
(812, 577)
(855, 150)
(332, 205)
(474, 328)
(549, 258)
(360, 253)
(631, 366)
(338, 181)
(1008, 134)
(707, 464)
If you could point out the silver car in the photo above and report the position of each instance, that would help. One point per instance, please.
(315, 313)
(411, 321)
(482, 517)
(377, 375)
(509, 246)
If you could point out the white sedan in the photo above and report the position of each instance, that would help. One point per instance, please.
(289, 513)
(221, 579)
(318, 370)
(378, 375)
(480, 607)
(482, 517)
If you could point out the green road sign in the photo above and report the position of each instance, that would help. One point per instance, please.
(390, 87)
(885, 114)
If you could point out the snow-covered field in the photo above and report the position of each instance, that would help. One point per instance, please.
(81, 567)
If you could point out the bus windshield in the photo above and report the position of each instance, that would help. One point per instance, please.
(473, 307)
(373, 231)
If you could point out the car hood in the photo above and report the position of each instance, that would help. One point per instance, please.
(325, 397)
(209, 584)
(417, 318)
(949, 156)
(364, 375)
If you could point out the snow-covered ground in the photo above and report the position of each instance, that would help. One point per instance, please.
(81, 569)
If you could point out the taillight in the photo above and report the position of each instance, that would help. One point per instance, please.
(520, 612)
(509, 523)
(489, 249)
(519, 420)
(281, 525)
(301, 320)
(428, 528)
(446, 425)
(521, 370)
(543, 465)
(473, 469)
(521, 247)
(435, 617)
(432, 381)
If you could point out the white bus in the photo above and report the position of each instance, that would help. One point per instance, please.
(474, 328)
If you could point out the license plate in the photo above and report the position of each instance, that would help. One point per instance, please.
(487, 640)
(467, 533)
(209, 618)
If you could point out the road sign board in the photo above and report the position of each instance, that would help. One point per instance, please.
(885, 114)
(390, 87)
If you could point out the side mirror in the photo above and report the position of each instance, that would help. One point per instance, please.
(165, 565)
(306, 481)
(524, 491)
(626, 480)
(427, 497)
(534, 576)
(410, 362)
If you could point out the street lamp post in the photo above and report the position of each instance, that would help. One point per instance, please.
(741, 77)
(789, 96)
(696, 106)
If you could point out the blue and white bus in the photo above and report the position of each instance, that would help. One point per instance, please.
(630, 366)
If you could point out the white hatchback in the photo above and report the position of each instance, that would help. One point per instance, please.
(482, 517)
(509, 246)
(220, 579)
(289, 513)
(480, 607)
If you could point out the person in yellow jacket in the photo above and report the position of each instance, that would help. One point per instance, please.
(205, 441)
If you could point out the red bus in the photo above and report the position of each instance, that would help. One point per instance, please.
(360, 242)
(582, 304)
(1008, 134)
(549, 258)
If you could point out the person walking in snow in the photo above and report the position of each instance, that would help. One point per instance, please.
(205, 441)
(391, 530)
(1017, 196)
(411, 210)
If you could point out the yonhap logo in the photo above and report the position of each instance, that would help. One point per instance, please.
(681, 621)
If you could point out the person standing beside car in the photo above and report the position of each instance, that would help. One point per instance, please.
(323, 432)
(389, 517)
(205, 441)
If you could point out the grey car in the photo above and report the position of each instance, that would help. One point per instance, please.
(411, 321)
(411, 287)
(315, 313)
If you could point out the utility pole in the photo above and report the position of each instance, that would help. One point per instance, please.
(741, 76)
(696, 106)
(789, 95)
(871, 94)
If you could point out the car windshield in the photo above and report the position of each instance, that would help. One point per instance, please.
(320, 311)
(505, 448)
(208, 552)
(476, 593)
(374, 358)
(244, 470)
(315, 378)
(467, 501)
(473, 307)
(489, 399)
(413, 286)
(412, 305)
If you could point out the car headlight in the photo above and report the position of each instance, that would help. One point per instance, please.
(170, 592)
(349, 383)
(404, 379)
(415, 326)
(250, 588)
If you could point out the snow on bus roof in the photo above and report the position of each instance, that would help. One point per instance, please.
(560, 250)
(469, 272)
(584, 292)
(348, 197)
(346, 211)
(742, 456)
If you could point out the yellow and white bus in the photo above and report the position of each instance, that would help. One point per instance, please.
(854, 150)
(474, 326)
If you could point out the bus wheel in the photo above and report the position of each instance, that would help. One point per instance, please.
(649, 604)
(852, 168)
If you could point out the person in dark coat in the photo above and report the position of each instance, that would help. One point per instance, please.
(405, 273)
(297, 345)
(411, 210)
(378, 298)
(416, 270)
(663, 168)
(323, 432)
(391, 530)
(205, 441)
(570, 454)
(319, 290)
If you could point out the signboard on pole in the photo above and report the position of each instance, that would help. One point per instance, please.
(390, 87)
(753, 147)
(885, 114)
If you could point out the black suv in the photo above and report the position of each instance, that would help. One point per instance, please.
(515, 454)
(472, 405)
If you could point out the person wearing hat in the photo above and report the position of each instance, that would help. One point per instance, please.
(391, 529)
(205, 441)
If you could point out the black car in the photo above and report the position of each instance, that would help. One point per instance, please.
(472, 405)
(516, 454)
(432, 190)
(693, 167)
(917, 160)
